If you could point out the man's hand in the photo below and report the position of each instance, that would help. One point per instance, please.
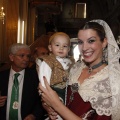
(2, 100)
(30, 117)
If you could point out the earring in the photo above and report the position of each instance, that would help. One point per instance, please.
(104, 55)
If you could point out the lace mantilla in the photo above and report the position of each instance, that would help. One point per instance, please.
(113, 69)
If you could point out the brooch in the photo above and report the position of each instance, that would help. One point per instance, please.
(15, 105)
(74, 88)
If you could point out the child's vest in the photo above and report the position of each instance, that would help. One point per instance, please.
(59, 75)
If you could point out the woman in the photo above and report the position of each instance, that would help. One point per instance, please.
(93, 91)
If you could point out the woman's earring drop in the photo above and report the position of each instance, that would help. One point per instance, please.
(104, 55)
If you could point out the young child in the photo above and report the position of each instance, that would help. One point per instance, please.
(55, 67)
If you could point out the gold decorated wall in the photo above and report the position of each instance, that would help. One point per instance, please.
(11, 31)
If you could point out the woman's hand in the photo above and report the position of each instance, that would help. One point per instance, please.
(30, 117)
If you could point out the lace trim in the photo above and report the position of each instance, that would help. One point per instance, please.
(96, 91)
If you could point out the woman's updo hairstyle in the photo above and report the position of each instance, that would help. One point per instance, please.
(95, 26)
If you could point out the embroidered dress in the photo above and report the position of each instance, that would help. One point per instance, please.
(92, 99)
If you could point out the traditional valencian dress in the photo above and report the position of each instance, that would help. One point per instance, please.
(98, 97)
(92, 99)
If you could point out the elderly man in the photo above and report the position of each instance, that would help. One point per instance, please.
(19, 86)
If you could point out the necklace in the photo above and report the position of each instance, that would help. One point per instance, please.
(90, 69)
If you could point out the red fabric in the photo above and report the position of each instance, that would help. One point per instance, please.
(80, 108)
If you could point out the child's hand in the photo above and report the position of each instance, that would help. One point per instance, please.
(51, 112)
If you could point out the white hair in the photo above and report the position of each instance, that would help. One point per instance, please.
(16, 47)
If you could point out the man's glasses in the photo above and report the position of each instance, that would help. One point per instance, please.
(23, 55)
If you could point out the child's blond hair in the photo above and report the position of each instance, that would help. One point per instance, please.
(57, 34)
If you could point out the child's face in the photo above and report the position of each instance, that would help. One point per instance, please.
(60, 46)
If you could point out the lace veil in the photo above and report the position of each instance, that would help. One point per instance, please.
(113, 54)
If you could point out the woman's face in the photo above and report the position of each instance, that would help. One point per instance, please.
(90, 46)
